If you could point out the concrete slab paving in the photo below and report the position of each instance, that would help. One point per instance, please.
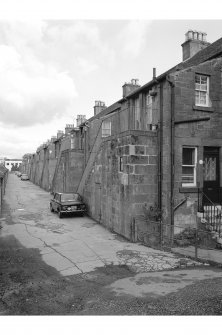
(90, 265)
(46, 250)
(57, 261)
(78, 256)
(72, 242)
(70, 271)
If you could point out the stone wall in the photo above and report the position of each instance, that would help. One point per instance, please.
(116, 197)
(198, 134)
(3, 181)
(56, 167)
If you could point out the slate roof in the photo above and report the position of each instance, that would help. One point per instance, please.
(106, 111)
(212, 51)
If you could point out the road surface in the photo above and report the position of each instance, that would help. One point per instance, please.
(71, 266)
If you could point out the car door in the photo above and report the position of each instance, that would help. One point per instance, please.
(54, 202)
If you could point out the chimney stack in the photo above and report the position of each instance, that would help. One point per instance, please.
(130, 87)
(60, 133)
(195, 41)
(68, 128)
(53, 138)
(99, 107)
(80, 119)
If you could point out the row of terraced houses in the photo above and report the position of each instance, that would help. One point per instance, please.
(155, 154)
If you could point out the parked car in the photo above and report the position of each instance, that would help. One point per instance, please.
(67, 203)
(24, 177)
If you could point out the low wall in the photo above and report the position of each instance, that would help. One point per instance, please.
(3, 180)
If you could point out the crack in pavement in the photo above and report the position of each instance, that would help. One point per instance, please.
(48, 246)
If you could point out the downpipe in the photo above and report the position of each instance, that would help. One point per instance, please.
(172, 155)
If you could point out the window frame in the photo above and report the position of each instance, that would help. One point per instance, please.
(121, 164)
(206, 91)
(104, 129)
(194, 184)
(149, 110)
(137, 113)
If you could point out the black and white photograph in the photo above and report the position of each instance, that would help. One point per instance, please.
(110, 165)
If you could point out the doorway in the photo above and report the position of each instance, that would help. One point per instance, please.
(211, 175)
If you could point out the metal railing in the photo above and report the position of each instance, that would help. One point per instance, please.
(211, 213)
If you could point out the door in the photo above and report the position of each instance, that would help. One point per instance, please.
(211, 184)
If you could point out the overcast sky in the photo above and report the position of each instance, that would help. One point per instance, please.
(53, 70)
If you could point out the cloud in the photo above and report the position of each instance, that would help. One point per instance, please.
(69, 41)
(15, 142)
(133, 38)
(32, 90)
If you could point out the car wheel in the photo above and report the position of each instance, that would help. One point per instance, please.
(51, 209)
(60, 214)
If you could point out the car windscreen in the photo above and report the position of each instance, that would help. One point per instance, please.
(70, 197)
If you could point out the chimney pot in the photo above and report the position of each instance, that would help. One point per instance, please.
(189, 35)
(80, 119)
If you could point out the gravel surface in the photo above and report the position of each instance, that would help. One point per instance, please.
(28, 286)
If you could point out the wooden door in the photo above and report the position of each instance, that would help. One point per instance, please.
(211, 184)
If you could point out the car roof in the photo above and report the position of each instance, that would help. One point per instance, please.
(66, 193)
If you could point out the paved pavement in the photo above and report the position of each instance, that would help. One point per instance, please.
(73, 245)
(207, 255)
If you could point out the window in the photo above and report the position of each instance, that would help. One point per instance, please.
(149, 109)
(70, 197)
(121, 164)
(137, 113)
(106, 128)
(189, 162)
(202, 90)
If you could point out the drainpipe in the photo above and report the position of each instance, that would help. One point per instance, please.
(160, 146)
(160, 168)
(172, 140)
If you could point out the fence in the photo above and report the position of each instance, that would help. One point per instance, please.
(204, 241)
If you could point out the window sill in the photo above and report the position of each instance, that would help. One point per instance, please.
(203, 109)
(188, 189)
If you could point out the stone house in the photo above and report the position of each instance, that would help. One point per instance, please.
(57, 165)
(13, 164)
(158, 148)
(155, 153)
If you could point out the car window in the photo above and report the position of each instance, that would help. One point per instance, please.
(57, 197)
(70, 197)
